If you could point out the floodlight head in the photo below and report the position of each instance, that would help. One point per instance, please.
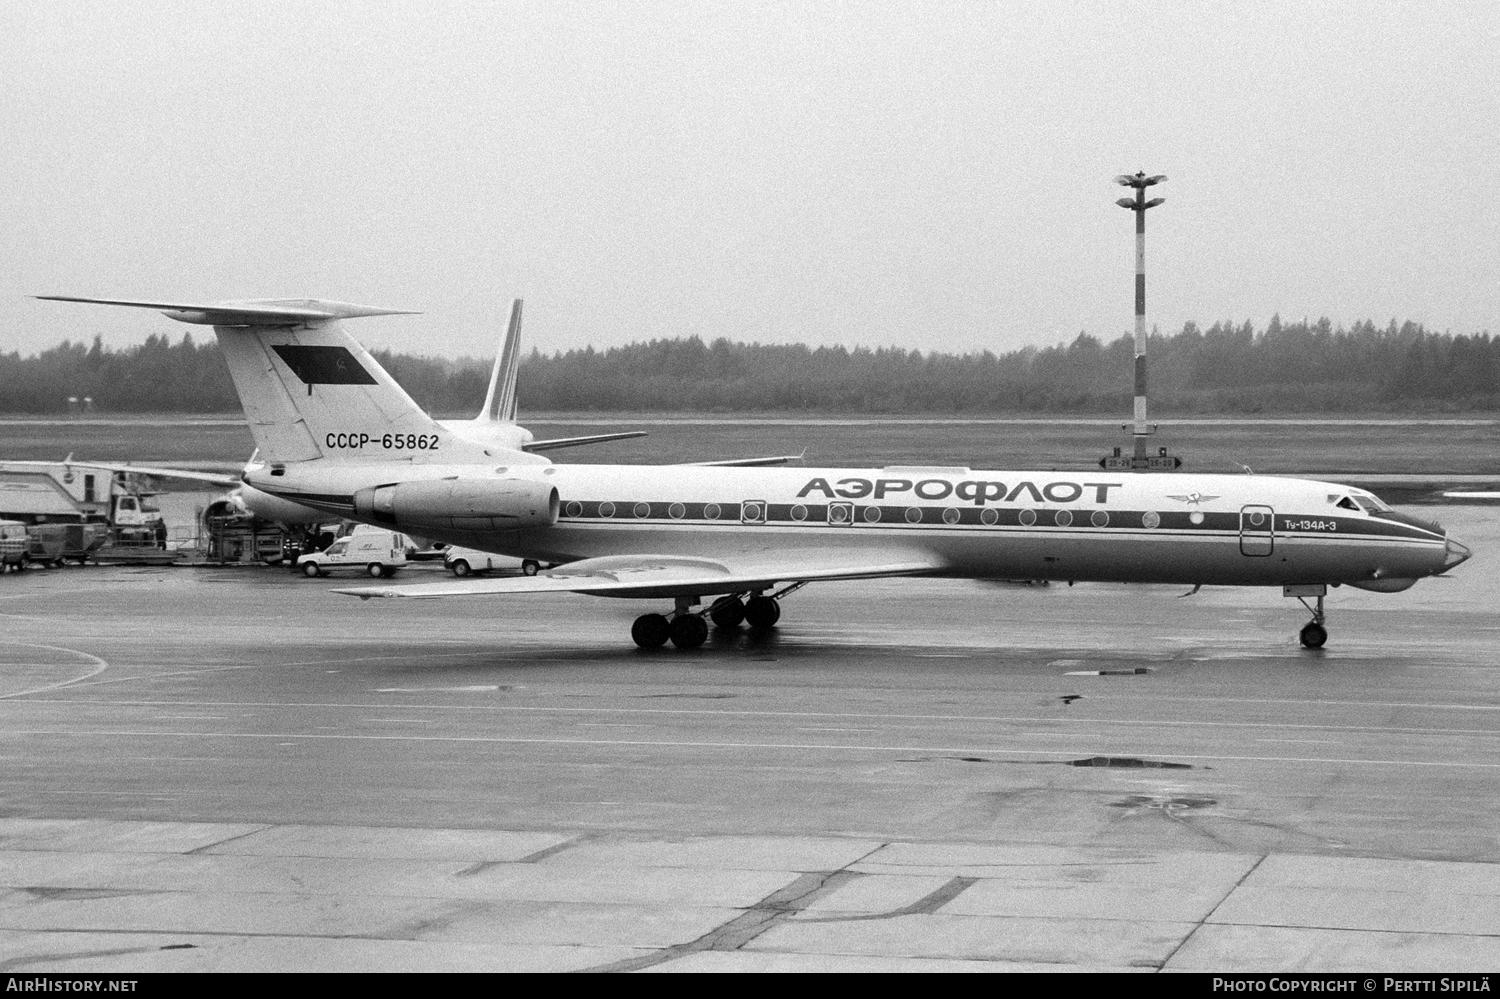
(1125, 180)
(1157, 179)
(1154, 202)
(1126, 202)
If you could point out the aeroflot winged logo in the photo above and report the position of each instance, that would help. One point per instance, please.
(1192, 499)
(323, 365)
(978, 492)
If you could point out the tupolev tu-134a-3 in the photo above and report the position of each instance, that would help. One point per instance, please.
(726, 541)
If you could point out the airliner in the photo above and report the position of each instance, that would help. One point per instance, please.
(726, 543)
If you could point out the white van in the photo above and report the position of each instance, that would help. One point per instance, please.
(378, 552)
(463, 561)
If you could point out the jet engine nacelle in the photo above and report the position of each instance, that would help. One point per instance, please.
(460, 504)
(226, 509)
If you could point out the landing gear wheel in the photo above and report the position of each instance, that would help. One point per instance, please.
(688, 631)
(459, 568)
(762, 613)
(310, 570)
(1314, 635)
(728, 614)
(530, 567)
(651, 631)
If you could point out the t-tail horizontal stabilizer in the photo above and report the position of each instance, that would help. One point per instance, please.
(250, 312)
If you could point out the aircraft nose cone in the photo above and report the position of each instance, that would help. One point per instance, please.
(1455, 554)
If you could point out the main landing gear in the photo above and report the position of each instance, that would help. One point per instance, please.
(1313, 633)
(686, 628)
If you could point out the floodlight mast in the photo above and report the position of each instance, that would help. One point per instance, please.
(1141, 429)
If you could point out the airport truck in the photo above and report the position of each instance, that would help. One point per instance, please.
(73, 509)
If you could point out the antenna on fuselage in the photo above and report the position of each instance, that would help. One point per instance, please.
(1139, 460)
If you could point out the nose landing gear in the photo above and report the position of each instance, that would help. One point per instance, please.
(1313, 634)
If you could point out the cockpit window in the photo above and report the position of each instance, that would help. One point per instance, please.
(1359, 501)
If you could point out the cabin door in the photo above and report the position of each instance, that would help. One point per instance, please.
(1257, 530)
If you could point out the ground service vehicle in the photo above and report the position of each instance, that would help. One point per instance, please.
(466, 561)
(75, 508)
(14, 545)
(376, 552)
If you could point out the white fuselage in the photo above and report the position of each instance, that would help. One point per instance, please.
(1070, 525)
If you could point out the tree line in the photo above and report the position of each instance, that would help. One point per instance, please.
(1226, 368)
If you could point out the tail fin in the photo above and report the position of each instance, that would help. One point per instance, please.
(500, 401)
(310, 390)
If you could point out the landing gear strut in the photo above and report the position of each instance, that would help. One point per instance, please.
(1313, 633)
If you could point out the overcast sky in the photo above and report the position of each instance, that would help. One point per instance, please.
(932, 175)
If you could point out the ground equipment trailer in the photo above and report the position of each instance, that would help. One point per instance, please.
(73, 509)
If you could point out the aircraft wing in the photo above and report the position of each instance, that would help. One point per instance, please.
(221, 479)
(776, 459)
(558, 442)
(673, 575)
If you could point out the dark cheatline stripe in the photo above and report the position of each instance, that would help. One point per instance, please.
(315, 500)
(1044, 518)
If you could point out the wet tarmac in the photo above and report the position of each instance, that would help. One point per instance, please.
(216, 768)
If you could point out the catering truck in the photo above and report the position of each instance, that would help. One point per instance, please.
(72, 509)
